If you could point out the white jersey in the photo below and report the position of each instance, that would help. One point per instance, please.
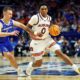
(40, 24)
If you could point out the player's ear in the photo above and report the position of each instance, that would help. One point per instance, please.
(47, 10)
(3, 13)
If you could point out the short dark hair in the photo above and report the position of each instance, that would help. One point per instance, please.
(7, 8)
(43, 4)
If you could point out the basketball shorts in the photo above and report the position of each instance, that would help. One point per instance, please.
(38, 46)
(6, 47)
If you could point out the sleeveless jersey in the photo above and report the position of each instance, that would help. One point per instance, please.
(6, 28)
(42, 25)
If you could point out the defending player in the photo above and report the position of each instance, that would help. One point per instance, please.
(6, 23)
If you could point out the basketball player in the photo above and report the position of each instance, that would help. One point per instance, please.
(40, 24)
(6, 24)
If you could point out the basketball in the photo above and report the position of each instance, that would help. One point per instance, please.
(54, 30)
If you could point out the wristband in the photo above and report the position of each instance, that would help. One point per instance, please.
(35, 33)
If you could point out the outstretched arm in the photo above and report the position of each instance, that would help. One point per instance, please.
(27, 29)
(20, 25)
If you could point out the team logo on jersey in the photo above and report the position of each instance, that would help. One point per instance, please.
(43, 25)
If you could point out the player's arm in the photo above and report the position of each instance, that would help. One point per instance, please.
(34, 21)
(4, 34)
(20, 25)
(27, 29)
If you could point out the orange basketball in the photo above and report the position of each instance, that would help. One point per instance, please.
(54, 30)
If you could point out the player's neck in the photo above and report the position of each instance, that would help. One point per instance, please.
(5, 20)
(44, 16)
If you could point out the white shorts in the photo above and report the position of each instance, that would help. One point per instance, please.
(39, 46)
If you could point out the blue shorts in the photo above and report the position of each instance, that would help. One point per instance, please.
(6, 47)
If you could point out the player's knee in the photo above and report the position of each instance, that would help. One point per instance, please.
(10, 56)
(37, 63)
(55, 47)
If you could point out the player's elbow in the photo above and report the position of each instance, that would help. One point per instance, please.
(0, 34)
(20, 25)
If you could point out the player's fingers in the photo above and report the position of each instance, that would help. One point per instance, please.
(16, 33)
(37, 38)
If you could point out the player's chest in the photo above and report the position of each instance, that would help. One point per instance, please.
(43, 24)
(7, 28)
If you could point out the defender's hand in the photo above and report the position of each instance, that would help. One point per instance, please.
(14, 33)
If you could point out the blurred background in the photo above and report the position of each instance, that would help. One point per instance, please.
(65, 13)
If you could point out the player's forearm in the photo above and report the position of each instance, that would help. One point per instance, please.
(4, 34)
(26, 28)
(29, 31)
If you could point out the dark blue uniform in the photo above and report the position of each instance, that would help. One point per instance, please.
(5, 45)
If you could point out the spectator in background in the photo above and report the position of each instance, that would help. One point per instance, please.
(66, 47)
(77, 48)
(13, 43)
(60, 40)
(18, 49)
(78, 28)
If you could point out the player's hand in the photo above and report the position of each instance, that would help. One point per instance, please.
(39, 34)
(36, 37)
(47, 49)
(14, 33)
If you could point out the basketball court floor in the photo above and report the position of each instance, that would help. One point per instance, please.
(53, 68)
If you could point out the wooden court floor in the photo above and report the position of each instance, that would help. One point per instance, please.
(37, 77)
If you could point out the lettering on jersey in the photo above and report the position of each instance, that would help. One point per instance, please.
(7, 28)
(43, 25)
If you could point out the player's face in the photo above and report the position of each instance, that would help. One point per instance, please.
(44, 11)
(8, 14)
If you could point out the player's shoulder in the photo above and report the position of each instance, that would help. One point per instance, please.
(12, 20)
(1, 23)
(35, 16)
(50, 18)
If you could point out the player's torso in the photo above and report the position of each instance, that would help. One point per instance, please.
(6, 28)
(42, 26)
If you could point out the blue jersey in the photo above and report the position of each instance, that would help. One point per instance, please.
(5, 45)
(6, 28)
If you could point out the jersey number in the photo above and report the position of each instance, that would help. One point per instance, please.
(43, 30)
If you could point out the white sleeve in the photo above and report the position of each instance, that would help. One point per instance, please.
(50, 18)
(33, 20)
(1, 26)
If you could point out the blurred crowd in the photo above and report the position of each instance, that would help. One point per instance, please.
(65, 13)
